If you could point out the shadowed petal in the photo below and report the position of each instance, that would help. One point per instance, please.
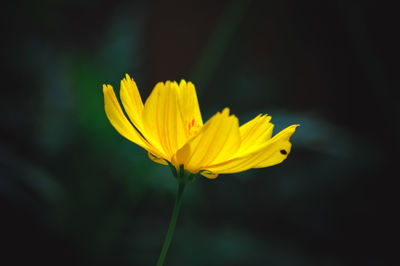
(156, 159)
(209, 174)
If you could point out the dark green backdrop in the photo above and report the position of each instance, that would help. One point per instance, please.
(74, 192)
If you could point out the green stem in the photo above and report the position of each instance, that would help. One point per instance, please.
(172, 224)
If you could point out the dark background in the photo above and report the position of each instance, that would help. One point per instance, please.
(74, 192)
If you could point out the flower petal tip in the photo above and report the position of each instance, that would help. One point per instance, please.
(226, 111)
(127, 77)
(107, 88)
(295, 126)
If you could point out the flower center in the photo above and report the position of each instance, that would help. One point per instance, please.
(193, 127)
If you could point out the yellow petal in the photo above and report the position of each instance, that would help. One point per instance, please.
(216, 142)
(208, 174)
(132, 101)
(162, 119)
(157, 159)
(272, 152)
(118, 119)
(254, 133)
(190, 107)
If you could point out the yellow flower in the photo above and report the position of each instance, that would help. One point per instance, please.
(169, 126)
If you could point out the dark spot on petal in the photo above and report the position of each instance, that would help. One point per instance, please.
(283, 152)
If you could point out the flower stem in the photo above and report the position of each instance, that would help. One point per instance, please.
(172, 224)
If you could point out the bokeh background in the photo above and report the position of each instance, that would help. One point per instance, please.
(74, 192)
